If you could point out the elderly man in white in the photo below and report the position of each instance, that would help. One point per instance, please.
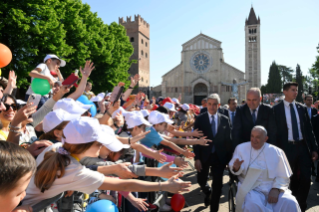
(263, 172)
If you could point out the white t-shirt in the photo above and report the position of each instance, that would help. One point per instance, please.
(75, 178)
(44, 71)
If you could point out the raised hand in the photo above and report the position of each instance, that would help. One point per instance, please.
(139, 137)
(203, 141)
(139, 203)
(121, 84)
(124, 172)
(237, 164)
(134, 80)
(166, 171)
(86, 72)
(180, 162)
(197, 133)
(187, 153)
(176, 185)
(12, 79)
(159, 156)
(119, 119)
(38, 146)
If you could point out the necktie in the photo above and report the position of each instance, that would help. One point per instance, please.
(254, 116)
(309, 112)
(213, 131)
(295, 132)
(232, 118)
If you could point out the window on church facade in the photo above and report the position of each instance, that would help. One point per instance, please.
(132, 39)
(145, 54)
(176, 90)
(142, 53)
(142, 41)
(146, 44)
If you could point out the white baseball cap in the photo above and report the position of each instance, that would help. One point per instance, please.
(109, 94)
(145, 112)
(49, 56)
(156, 117)
(185, 107)
(115, 145)
(87, 107)
(54, 118)
(98, 97)
(175, 100)
(118, 111)
(170, 106)
(135, 119)
(70, 106)
(85, 130)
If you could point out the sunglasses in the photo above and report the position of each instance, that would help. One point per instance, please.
(13, 106)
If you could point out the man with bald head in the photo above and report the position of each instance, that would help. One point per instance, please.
(263, 172)
(251, 114)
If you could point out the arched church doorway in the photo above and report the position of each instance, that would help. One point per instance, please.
(200, 92)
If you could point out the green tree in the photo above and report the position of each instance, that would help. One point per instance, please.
(32, 29)
(69, 29)
(299, 80)
(286, 74)
(314, 76)
(274, 84)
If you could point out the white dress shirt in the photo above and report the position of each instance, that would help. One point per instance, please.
(215, 119)
(256, 113)
(288, 120)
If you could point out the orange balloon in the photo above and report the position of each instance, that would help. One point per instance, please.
(5, 55)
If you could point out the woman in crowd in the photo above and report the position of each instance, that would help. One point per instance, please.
(7, 115)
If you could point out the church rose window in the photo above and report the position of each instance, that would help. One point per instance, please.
(201, 62)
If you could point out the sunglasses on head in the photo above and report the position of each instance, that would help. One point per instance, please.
(13, 106)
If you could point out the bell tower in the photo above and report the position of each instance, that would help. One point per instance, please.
(252, 50)
(138, 32)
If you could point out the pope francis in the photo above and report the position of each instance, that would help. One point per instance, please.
(263, 172)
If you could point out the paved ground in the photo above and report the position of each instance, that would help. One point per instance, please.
(195, 198)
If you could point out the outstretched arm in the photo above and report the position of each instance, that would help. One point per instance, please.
(225, 83)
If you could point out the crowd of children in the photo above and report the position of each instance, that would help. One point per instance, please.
(55, 153)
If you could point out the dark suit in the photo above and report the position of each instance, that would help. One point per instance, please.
(217, 160)
(243, 123)
(299, 154)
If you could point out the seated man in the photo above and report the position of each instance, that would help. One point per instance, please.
(263, 172)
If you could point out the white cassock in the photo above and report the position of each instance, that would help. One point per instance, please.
(261, 171)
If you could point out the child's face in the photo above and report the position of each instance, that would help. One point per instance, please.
(161, 127)
(104, 152)
(53, 64)
(11, 199)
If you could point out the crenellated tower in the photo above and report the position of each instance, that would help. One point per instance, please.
(252, 50)
(138, 32)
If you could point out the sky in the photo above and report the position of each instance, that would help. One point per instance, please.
(289, 29)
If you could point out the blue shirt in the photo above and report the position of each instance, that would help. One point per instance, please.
(151, 139)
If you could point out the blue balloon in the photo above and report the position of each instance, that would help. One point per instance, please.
(93, 109)
(102, 206)
(162, 164)
(84, 100)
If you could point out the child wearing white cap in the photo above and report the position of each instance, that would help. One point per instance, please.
(160, 122)
(48, 70)
(60, 170)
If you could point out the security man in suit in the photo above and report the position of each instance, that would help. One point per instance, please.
(313, 114)
(251, 114)
(295, 137)
(215, 156)
(232, 103)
